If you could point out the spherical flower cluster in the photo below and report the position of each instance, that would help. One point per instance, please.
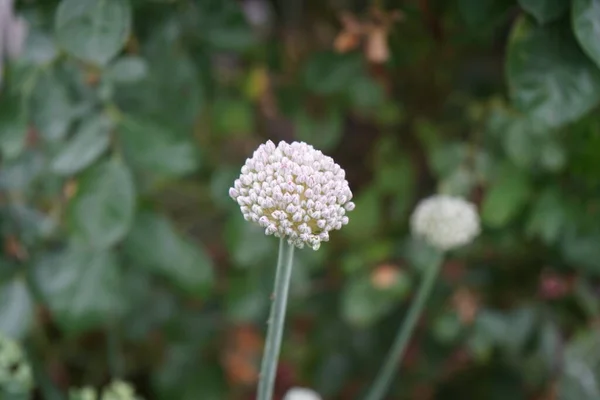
(445, 222)
(293, 191)
(301, 394)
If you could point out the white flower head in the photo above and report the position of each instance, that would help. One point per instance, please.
(445, 222)
(293, 191)
(301, 394)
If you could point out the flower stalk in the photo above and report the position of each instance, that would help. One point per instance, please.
(389, 368)
(276, 321)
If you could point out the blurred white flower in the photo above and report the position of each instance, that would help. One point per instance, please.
(119, 390)
(15, 373)
(293, 191)
(445, 222)
(301, 394)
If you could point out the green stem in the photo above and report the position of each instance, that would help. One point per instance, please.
(388, 370)
(268, 368)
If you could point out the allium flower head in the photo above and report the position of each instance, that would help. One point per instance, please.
(445, 222)
(301, 394)
(293, 191)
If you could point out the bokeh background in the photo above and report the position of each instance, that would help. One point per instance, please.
(124, 122)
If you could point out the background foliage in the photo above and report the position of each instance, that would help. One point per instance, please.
(124, 122)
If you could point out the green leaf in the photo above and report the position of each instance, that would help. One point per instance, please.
(247, 243)
(51, 107)
(93, 30)
(16, 308)
(481, 13)
(365, 218)
(246, 302)
(322, 132)
(582, 250)
(182, 377)
(366, 93)
(13, 127)
(233, 117)
(545, 11)
(18, 174)
(152, 148)
(90, 141)
(82, 287)
(328, 73)
(548, 217)
(102, 210)
(154, 244)
(128, 69)
(506, 197)
(586, 25)
(363, 304)
(580, 374)
(549, 77)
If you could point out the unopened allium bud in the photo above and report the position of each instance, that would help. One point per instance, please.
(301, 394)
(15, 372)
(445, 222)
(293, 191)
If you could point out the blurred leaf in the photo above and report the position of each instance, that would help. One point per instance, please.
(154, 244)
(93, 30)
(180, 377)
(13, 126)
(32, 223)
(521, 144)
(82, 287)
(580, 375)
(582, 250)
(333, 370)
(329, 73)
(521, 324)
(127, 69)
(102, 210)
(89, 142)
(247, 243)
(479, 13)
(548, 75)
(548, 217)
(447, 327)
(18, 174)
(366, 93)
(493, 326)
(323, 132)
(51, 107)
(363, 304)
(586, 25)
(233, 117)
(224, 26)
(553, 155)
(545, 11)
(446, 157)
(364, 219)
(420, 255)
(16, 308)
(151, 148)
(39, 48)
(246, 301)
(505, 197)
